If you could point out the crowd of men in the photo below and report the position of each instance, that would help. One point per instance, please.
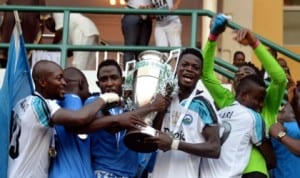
(62, 130)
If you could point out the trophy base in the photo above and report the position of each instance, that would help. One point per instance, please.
(134, 140)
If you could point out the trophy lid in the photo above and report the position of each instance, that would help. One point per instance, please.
(153, 55)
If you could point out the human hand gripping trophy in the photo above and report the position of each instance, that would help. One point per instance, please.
(152, 76)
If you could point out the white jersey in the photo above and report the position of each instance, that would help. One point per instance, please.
(31, 137)
(137, 3)
(76, 21)
(247, 129)
(175, 163)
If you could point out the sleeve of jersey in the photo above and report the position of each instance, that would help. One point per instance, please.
(91, 99)
(44, 110)
(53, 107)
(222, 96)
(206, 111)
(276, 89)
(72, 102)
(258, 129)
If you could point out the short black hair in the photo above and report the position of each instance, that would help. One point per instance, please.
(109, 62)
(73, 72)
(238, 52)
(256, 69)
(193, 51)
(50, 24)
(273, 52)
(248, 80)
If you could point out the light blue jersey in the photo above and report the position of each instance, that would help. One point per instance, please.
(286, 160)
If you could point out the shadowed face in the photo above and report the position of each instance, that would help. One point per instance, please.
(242, 72)
(255, 99)
(239, 59)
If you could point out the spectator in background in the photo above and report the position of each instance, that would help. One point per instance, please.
(31, 23)
(167, 27)
(274, 53)
(291, 85)
(136, 28)
(296, 102)
(239, 58)
(82, 31)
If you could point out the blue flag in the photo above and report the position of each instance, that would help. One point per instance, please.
(17, 84)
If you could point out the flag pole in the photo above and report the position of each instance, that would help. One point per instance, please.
(17, 84)
(18, 21)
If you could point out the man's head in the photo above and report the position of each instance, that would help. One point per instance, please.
(282, 62)
(251, 92)
(244, 70)
(273, 52)
(109, 76)
(189, 69)
(48, 79)
(76, 82)
(50, 24)
(239, 58)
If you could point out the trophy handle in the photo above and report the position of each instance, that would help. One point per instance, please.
(174, 54)
(130, 65)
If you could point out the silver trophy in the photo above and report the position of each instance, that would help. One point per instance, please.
(152, 74)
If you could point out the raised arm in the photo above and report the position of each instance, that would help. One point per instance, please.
(275, 90)
(222, 96)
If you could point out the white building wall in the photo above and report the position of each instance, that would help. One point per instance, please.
(241, 13)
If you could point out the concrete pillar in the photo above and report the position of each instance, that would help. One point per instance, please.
(212, 6)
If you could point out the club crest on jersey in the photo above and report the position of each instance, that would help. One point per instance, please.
(187, 120)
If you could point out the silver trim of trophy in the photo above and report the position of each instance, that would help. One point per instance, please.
(152, 74)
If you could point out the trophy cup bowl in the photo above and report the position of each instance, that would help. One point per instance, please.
(147, 76)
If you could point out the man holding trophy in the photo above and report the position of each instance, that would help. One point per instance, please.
(189, 128)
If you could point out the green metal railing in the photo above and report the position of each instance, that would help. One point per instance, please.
(222, 66)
